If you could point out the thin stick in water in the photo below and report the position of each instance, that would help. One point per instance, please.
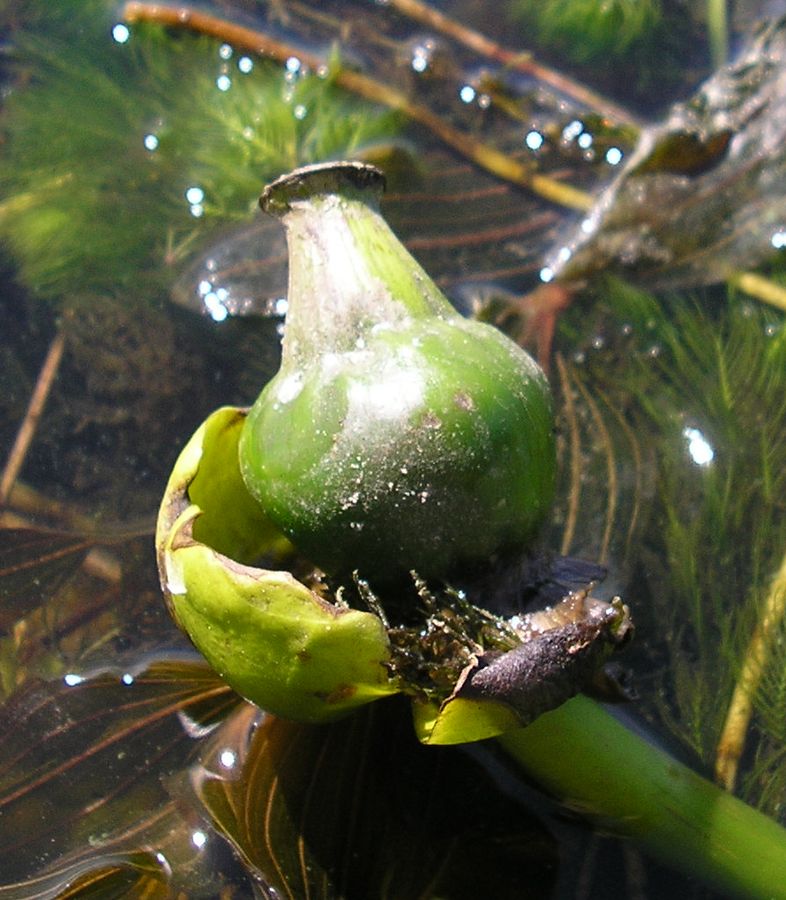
(29, 424)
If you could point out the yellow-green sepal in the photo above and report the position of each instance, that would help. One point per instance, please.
(274, 640)
(207, 475)
(461, 720)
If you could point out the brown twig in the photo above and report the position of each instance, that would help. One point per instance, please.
(540, 310)
(738, 716)
(24, 499)
(515, 60)
(29, 424)
(102, 564)
(36, 509)
(252, 41)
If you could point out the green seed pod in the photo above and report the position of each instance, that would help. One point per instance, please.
(397, 435)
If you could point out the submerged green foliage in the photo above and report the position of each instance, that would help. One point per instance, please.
(637, 49)
(102, 140)
(704, 390)
(590, 29)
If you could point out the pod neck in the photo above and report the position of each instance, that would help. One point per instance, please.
(348, 273)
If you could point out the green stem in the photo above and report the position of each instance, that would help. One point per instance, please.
(718, 26)
(591, 762)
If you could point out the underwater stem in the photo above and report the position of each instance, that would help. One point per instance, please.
(581, 754)
(718, 27)
(732, 739)
(632, 519)
(483, 155)
(612, 487)
(20, 203)
(764, 289)
(572, 513)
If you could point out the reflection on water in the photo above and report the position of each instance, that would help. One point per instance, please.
(131, 165)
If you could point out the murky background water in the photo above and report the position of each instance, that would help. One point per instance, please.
(131, 162)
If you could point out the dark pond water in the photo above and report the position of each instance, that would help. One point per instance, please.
(142, 289)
